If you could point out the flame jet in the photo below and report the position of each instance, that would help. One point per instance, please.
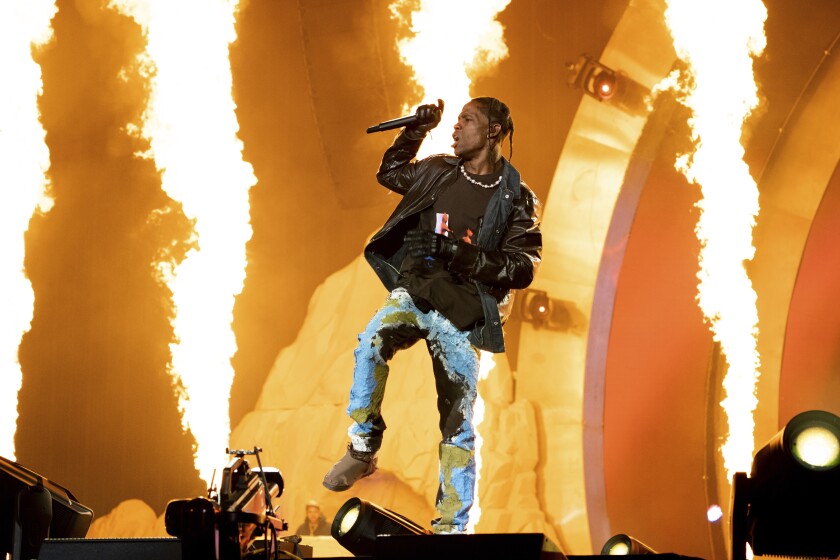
(719, 88)
(191, 126)
(445, 53)
(24, 162)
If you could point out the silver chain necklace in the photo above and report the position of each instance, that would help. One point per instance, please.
(479, 183)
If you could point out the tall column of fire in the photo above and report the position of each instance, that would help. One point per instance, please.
(717, 41)
(24, 162)
(191, 126)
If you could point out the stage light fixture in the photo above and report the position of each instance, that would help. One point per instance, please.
(623, 545)
(226, 524)
(358, 523)
(607, 85)
(538, 307)
(604, 85)
(817, 447)
(788, 504)
(541, 310)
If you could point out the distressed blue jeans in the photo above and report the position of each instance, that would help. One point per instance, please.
(398, 325)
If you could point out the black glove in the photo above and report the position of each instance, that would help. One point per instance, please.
(428, 117)
(423, 243)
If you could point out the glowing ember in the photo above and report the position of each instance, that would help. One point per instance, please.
(720, 90)
(191, 125)
(451, 41)
(24, 161)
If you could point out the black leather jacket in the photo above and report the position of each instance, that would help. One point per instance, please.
(508, 247)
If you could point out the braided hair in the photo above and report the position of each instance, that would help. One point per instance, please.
(497, 113)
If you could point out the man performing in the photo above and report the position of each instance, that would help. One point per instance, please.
(465, 234)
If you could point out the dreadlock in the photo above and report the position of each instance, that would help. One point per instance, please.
(498, 113)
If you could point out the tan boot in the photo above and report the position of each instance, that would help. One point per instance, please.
(354, 466)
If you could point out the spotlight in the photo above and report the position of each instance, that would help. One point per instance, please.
(816, 447)
(605, 84)
(623, 545)
(358, 523)
(787, 506)
(538, 308)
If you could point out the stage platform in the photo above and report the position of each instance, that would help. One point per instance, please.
(524, 546)
(439, 547)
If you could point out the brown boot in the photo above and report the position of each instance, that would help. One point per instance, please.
(354, 466)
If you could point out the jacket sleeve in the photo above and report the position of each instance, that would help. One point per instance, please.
(513, 265)
(397, 171)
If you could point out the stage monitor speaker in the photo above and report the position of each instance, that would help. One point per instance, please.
(111, 549)
(140, 549)
(32, 508)
(654, 556)
(516, 546)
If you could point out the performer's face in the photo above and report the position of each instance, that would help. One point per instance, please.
(470, 134)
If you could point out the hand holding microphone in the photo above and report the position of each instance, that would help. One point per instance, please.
(428, 117)
(424, 119)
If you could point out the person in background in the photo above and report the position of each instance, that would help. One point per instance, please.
(315, 523)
